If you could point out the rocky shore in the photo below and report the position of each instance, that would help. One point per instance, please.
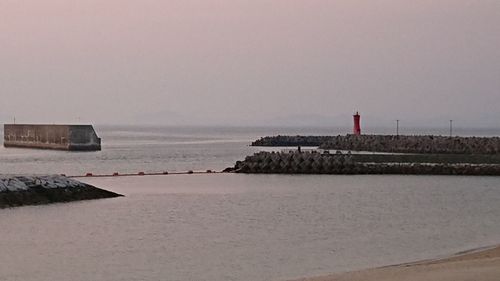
(36, 190)
(325, 163)
(390, 143)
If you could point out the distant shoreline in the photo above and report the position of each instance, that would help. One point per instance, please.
(476, 264)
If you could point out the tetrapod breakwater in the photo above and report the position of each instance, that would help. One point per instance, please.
(338, 163)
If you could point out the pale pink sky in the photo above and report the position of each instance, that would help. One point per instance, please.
(250, 62)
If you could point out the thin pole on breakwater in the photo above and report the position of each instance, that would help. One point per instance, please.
(451, 128)
(397, 127)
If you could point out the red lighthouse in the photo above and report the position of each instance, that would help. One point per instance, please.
(357, 126)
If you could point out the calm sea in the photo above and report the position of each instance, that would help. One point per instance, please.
(232, 227)
(128, 149)
(149, 149)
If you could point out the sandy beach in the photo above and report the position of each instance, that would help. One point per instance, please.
(477, 265)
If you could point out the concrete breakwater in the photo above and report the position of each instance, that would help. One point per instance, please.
(392, 144)
(36, 190)
(325, 163)
(60, 137)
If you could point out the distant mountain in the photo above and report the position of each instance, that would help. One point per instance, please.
(167, 117)
(5, 119)
(163, 117)
(370, 123)
(309, 120)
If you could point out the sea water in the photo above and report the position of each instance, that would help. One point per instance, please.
(132, 149)
(232, 226)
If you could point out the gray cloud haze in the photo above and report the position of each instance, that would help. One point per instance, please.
(250, 62)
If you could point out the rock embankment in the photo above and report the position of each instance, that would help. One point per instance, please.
(36, 190)
(292, 141)
(317, 163)
(393, 144)
(416, 144)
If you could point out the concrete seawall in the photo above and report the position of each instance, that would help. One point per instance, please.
(317, 163)
(59, 137)
(392, 144)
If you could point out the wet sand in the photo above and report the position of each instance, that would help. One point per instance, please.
(477, 265)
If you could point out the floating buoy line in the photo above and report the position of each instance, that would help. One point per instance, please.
(141, 173)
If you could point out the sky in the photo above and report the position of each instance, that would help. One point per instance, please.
(250, 63)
